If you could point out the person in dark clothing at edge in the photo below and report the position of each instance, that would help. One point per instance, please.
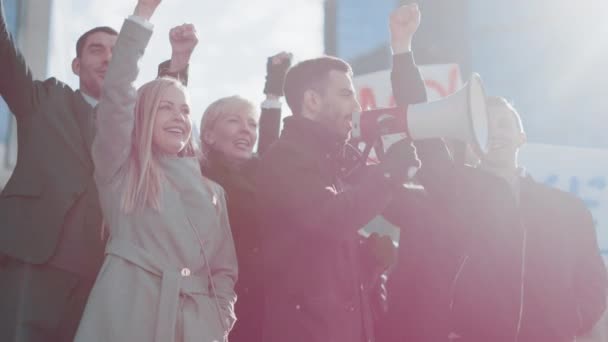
(50, 241)
(308, 212)
(228, 135)
(530, 266)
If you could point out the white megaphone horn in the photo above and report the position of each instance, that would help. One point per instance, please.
(461, 116)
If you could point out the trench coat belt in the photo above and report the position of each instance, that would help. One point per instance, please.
(172, 285)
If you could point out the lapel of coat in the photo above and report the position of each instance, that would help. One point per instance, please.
(76, 126)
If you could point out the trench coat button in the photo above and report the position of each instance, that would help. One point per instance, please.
(351, 308)
(298, 307)
(255, 250)
(185, 272)
(362, 287)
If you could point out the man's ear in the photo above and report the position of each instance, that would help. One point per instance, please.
(311, 102)
(76, 66)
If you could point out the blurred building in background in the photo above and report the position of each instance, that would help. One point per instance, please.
(548, 57)
(28, 21)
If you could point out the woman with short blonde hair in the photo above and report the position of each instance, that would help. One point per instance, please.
(227, 109)
(229, 132)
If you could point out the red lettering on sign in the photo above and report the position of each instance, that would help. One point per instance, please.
(438, 87)
(367, 98)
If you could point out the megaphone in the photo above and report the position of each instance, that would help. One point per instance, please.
(461, 116)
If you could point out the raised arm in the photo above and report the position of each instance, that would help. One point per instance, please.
(115, 111)
(270, 118)
(407, 83)
(17, 85)
(408, 88)
(183, 40)
(291, 187)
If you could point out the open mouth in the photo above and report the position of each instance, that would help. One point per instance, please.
(176, 130)
(243, 144)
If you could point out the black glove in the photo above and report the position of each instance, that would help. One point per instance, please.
(275, 76)
(398, 160)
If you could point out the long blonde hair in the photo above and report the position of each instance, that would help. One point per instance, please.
(143, 181)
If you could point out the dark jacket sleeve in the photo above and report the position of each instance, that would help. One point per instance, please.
(290, 188)
(181, 75)
(590, 279)
(17, 85)
(406, 80)
(270, 123)
(408, 88)
(437, 172)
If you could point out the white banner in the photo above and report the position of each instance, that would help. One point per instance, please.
(581, 171)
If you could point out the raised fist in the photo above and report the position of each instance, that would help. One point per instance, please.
(183, 39)
(403, 23)
(282, 57)
(276, 68)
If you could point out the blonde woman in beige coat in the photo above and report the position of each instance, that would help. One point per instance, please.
(170, 265)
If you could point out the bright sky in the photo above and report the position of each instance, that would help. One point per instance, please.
(235, 38)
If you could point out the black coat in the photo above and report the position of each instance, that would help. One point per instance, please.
(316, 289)
(238, 185)
(565, 277)
(531, 264)
(455, 256)
(486, 291)
(418, 286)
(319, 276)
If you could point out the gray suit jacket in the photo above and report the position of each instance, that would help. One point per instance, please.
(54, 167)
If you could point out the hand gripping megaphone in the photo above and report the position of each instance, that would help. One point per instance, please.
(461, 116)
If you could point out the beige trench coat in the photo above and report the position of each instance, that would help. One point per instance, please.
(168, 275)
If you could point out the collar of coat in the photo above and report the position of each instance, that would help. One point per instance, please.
(216, 167)
(312, 135)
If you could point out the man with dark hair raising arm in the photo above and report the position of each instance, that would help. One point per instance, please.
(50, 240)
(309, 214)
